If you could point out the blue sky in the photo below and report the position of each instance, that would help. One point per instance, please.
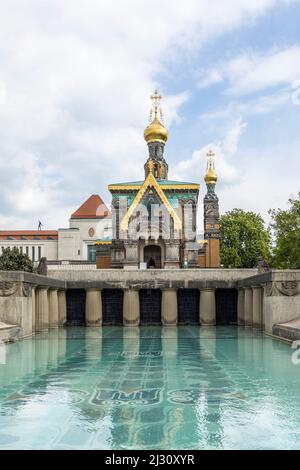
(75, 80)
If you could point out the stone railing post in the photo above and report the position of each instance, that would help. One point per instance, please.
(93, 307)
(241, 307)
(131, 307)
(248, 306)
(53, 308)
(62, 308)
(42, 310)
(257, 307)
(169, 307)
(207, 307)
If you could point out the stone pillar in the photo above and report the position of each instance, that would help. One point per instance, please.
(33, 299)
(257, 307)
(131, 307)
(93, 307)
(207, 307)
(53, 308)
(169, 309)
(132, 253)
(248, 306)
(42, 312)
(172, 258)
(62, 308)
(241, 307)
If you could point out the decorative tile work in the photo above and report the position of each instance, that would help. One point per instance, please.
(139, 397)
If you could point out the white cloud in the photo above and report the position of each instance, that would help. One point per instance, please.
(253, 72)
(224, 151)
(232, 136)
(76, 75)
(250, 73)
(212, 77)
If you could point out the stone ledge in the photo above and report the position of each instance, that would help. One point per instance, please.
(289, 330)
(9, 333)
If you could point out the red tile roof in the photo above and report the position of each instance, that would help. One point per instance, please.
(28, 234)
(92, 208)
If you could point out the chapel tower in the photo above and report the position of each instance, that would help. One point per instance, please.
(211, 215)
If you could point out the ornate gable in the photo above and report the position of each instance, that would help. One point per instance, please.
(150, 183)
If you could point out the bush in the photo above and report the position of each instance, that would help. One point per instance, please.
(13, 260)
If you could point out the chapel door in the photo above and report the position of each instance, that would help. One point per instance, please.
(152, 256)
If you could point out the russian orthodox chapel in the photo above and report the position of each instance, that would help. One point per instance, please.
(155, 220)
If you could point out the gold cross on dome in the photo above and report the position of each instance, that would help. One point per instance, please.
(156, 98)
(156, 108)
(210, 160)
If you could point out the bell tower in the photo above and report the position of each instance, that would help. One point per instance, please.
(211, 215)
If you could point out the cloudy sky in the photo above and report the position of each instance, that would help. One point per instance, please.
(75, 80)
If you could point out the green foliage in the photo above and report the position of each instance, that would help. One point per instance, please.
(244, 239)
(285, 225)
(13, 260)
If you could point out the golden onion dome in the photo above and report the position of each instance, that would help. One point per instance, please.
(156, 132)
(210, 176)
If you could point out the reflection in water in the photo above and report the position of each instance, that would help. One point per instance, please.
(149, 387)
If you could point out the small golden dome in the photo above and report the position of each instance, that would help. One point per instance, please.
(210, 176)
(156, 132)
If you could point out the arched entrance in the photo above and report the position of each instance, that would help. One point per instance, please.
(152, 256)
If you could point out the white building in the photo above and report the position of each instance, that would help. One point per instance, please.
(88, 225)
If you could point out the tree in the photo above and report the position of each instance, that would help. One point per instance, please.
(244, 239)
(285, 225)
(13, 260)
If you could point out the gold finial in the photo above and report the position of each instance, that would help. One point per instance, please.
(210, 176)
(156, 131)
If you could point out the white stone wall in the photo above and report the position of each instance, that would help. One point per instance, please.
(48, 248)
(69, 247)
(101, 228)
(72, 243)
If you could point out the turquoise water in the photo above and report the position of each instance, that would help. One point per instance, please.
(149, 388)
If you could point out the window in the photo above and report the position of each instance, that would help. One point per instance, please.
(27, 250)
(92, 253)
(21, 250)
(39, 252)
(33, 253)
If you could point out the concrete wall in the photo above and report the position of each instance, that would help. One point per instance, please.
(18, 298)
(265, 300)
(153, 278)
(280, 297)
